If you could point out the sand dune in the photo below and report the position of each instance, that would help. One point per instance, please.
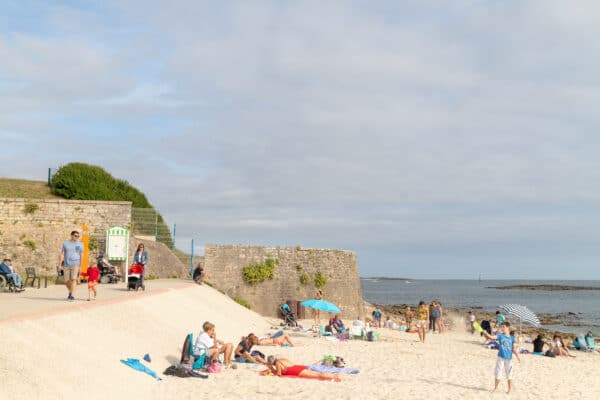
(50, 349)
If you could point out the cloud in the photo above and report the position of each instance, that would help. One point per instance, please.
(350, 124)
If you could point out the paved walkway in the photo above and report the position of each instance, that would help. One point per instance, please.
(37, 303)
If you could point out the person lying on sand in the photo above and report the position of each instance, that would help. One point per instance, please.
(281, 340)
(283, 366)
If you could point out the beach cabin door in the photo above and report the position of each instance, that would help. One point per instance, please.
(117, 247)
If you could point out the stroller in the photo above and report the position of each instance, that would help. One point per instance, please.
(108, 272)
(287, 315)
(135, 277)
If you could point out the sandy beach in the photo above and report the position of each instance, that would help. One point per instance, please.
(51, 349)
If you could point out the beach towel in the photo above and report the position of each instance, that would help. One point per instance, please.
(477, 327)
(333, 370)
(137, 365)
(277, 334)
(267, 372)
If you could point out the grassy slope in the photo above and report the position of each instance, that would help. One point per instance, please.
(20, 188)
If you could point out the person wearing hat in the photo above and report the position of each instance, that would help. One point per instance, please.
(7, 268)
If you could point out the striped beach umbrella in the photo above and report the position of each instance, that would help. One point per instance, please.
(523, 313)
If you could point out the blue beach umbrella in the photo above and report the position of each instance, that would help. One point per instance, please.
(321, 305)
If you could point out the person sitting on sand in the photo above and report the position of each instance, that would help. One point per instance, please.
(591, 342)
(208, 343)
(338, 325)
(242, 351)
(283, 366)
(538, 345)
(559, 348)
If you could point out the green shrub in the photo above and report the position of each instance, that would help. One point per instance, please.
(93, 244)
(259, 272)
(30, 208)
(30, 244)
(320, 280)
(79, 181)
(304, 278)
(242, 302)
(299, 267)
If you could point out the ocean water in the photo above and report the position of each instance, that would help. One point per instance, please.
(472, 294)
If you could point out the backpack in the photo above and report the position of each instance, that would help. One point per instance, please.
(214, 367)
(182, 372)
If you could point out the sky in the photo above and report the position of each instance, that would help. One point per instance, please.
(435, 139)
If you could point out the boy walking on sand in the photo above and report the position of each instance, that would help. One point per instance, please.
(506, 348)
(93, 274)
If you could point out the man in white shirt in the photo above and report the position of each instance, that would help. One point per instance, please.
(208, 343)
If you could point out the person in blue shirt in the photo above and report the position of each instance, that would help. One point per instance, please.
(70, 262)
(506, 348)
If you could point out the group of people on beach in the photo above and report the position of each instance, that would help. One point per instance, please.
(70, 262)
(207, 345)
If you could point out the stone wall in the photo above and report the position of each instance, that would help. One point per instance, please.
(32, 230)
(225, 263)
(32, 233)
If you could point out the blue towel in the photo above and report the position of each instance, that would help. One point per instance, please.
(136, 364)
(333, 370)
(277, 334)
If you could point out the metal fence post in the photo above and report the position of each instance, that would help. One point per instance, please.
(174, 234)
(156, 225)
(192, 260)
(49, 176)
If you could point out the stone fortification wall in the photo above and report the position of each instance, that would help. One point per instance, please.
(225, 264)
(32, 230)
(162, 262)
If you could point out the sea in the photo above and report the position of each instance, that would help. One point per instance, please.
(475, 295)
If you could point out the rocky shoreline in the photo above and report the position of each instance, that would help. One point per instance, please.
(567, 319)
(543, 287)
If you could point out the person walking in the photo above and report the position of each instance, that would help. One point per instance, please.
(93, 275)
(70, 262)
(433, 316)
(422, 320)
(140, 256)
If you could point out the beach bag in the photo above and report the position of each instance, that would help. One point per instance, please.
(259, 354)
(214, 368)
(370, 336)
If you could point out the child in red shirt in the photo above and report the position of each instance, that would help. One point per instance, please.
(93, 274)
